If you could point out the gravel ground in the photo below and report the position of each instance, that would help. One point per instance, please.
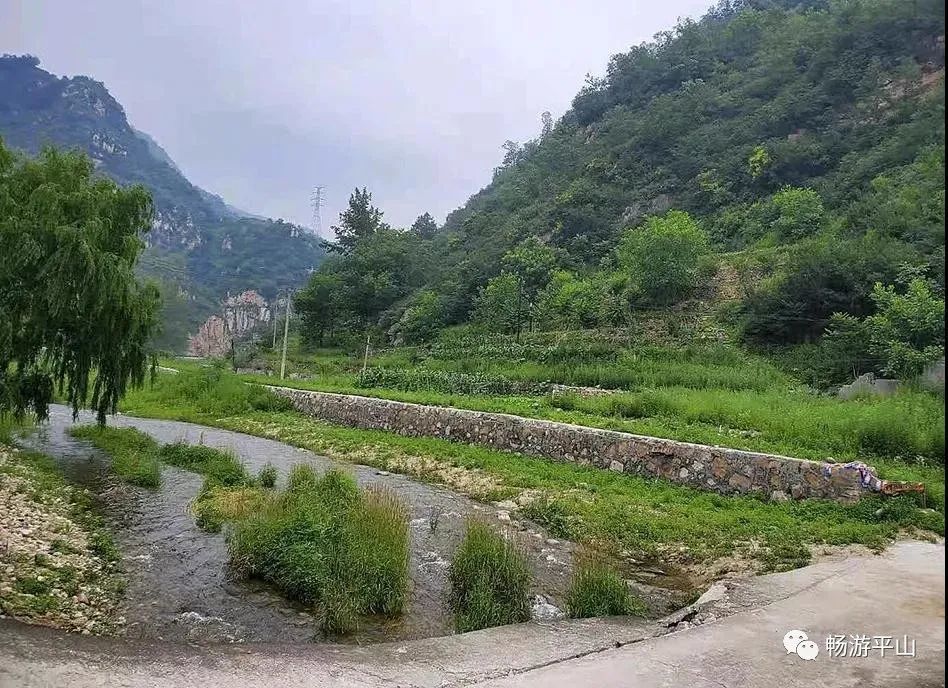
(57, 567)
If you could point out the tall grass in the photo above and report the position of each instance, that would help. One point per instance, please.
(604, 365)
(219, 467)
(134, 454)
(215, 390)
(423, 379)
(326, 543)
(597, 590)
(489, 581)
(909, 426)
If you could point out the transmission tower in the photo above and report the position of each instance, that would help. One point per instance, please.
(316, 200)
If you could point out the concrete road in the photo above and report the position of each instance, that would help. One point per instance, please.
(900, 593)
(739, 643)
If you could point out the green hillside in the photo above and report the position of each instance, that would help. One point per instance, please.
(761, 168)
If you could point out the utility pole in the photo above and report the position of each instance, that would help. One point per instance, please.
(286, 333)
(273, 314)
(365, 359)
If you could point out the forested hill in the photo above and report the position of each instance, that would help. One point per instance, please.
(199, 247)
(783, 139)
(828, 97)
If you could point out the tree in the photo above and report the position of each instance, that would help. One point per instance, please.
(499, 305)
(546, 124)
(72, 314)
(425, 226)
(568, 302)
(318, 306)
(357, 222)
(758, 161)
(906, 332)
(513, 153)
(533, 262)
(799, 212)
(422, 319)
(663, 257)
(821, 276)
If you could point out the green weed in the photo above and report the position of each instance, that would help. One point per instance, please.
(597, 590)
(489, 581)
(219, 467)
(267, 476)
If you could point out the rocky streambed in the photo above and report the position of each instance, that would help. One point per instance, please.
(181, 588)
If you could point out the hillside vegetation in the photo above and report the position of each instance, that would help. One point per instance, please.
(767, 165)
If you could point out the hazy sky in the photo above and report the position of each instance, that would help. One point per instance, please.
(259, 101)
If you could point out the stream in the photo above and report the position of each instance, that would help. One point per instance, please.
(180, 587)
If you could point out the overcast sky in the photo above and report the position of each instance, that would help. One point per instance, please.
(260, 101)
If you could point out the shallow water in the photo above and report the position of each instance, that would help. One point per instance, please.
(179, 584)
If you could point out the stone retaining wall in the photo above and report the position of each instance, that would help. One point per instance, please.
(723, 470)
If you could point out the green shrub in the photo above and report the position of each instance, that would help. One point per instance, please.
(267, 476)
(302, 477)
(551, 514)
(597, 590)
(262, 399)
(489, 581)
(134, 454)
(323, 542)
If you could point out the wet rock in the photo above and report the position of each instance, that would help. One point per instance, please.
(542, 610)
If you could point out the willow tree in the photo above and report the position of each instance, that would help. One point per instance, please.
(73, 317)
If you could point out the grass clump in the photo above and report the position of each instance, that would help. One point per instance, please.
(217, 506)
(134, 454)
(324, 542)
(267, 476)
(489, 581)
(597, 590)
(217, 466)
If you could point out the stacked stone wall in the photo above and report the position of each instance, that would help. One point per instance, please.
(728, 471)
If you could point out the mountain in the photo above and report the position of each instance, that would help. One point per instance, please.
(200, 248)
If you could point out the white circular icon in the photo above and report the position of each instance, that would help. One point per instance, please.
(808, 650)
(792, 639)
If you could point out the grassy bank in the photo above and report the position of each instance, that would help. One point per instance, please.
(58, 565)
(902, 436)
(626, 514)
(134, 454)
(711, 394)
